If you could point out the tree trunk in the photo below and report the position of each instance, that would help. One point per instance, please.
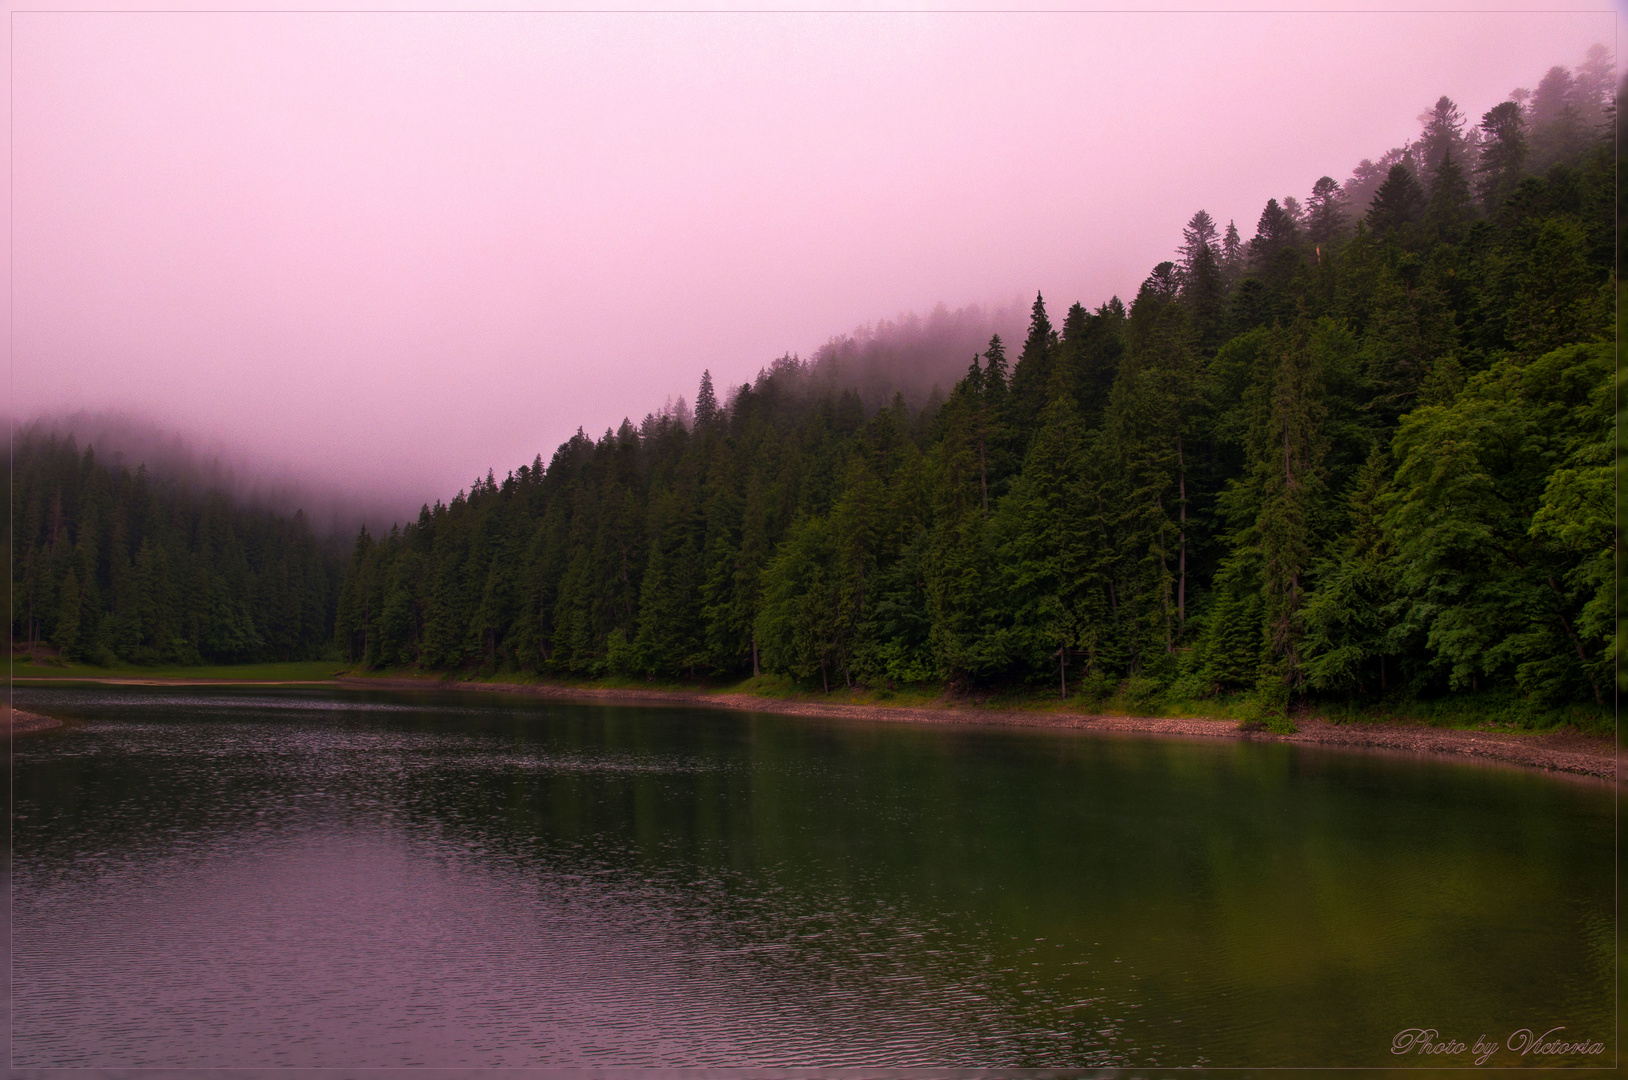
(1164, 594)
(823, 680)
(1181, 479)
(1582, 655)
(754, 654)
(983, 474)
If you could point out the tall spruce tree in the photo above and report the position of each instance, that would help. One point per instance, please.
(1450, 209)
(1503, 153)
(706, 402)
(1443, 135)
(1398, 206)
(1234, 256)
(1030, 377)
(1325, 218)
(1203, 288)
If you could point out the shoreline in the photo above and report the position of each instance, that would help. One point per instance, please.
(162, 680)
(1567, 752)
(20, 722)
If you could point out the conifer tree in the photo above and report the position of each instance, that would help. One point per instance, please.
(755, 549)
(1593, 90)
(960, 563)
(995, 376)
(706, 402)
(1503, 153)
(1041, 536)
(797, 624)
(727, 641)
(1325, 218)
(1450, 209)
(1443, 135)
(66, 635)
(1198, 239)
(1348, 617)
(1203, 290)
(991, 414)
(1290, 449)
(1233, 256)
(1274, 234)
(1398, 205)
(1027, 392)
(1091, 347)
(1557, 129)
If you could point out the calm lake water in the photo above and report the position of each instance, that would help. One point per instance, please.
(256, 877)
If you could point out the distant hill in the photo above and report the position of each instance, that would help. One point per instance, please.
(113, 562)
(249, 480)
(1363, 453)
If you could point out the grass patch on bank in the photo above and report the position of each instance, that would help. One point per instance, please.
(288, 671)
(1484, 711)
(1474, 711)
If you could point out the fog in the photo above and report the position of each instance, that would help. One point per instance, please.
(335, 508)
(379, 254)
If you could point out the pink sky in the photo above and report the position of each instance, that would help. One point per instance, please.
(398, 249)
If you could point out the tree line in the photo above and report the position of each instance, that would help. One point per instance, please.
(1365, 452)
(110, 565)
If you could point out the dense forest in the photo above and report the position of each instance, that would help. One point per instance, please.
(1366, 452)
(110, 566)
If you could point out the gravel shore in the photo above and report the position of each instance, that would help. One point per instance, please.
(18, 722)
(1558, 751)
(1569, 752)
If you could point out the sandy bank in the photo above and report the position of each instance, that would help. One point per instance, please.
(18, 722)
(136, 680)
(1561, 751)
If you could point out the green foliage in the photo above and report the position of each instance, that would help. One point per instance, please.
(286, 672)
(801, 627)
(118, 567)
(1501, 523)
(1347, 619)
(1398, 206)
(1365, 454)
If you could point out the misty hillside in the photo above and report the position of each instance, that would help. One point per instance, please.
(914, 357)
(1362, 453)
(116, 564)
(129, 441)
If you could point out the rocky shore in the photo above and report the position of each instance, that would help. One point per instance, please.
(18, 722)
(1558, 751)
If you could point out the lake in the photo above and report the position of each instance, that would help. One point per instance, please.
(253, 876)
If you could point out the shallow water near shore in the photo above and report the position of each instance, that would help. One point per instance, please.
(270, 877)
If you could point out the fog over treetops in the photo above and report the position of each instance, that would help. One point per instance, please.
(911, 355)
(388, 253)
(256, 480)
(1363, 454)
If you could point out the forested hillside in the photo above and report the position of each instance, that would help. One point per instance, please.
(110, 565)
(1365, 452)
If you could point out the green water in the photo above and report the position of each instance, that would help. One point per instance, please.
(207, 878)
